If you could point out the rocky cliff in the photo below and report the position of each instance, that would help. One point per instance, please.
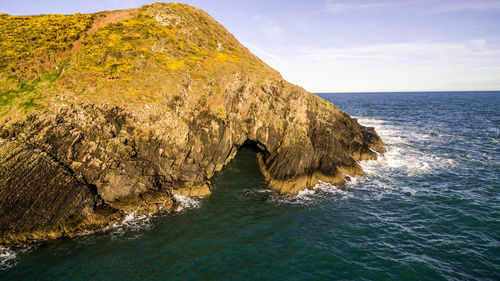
(126, 108)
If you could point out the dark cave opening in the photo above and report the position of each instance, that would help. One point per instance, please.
(254, 146)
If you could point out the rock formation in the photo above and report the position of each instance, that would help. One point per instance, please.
(146, 103)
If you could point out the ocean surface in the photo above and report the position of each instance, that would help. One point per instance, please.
(427, 210)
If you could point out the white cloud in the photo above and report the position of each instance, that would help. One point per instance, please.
(455, 6)
(475, 45)
(342, 7)
(273, 31)
(466, 65)
(401, 51)
(268, 26)
(428, 7)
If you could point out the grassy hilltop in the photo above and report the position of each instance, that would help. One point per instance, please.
(126, 56)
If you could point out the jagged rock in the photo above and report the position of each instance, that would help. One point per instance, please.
(193, 96)
(41, 198)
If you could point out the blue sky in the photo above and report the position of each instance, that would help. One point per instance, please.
(349, 46)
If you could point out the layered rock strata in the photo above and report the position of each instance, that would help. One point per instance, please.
(90, 154)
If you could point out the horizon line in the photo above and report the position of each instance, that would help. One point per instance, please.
(402, 92)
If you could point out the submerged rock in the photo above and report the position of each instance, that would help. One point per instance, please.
(154, 105)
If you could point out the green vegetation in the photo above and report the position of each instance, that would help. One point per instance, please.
(27, 94)
(145, 57)
(31, 45)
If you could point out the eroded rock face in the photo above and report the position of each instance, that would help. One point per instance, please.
(40, 197)
(126, 151)
(133, 155)
(22, 171)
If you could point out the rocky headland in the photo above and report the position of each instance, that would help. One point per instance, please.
(110, 113)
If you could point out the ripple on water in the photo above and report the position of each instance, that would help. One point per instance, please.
(130, 227)
(388, 173)
(424, 210)
(404, 154)
(133, 224)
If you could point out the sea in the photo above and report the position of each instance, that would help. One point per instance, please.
(429, 209)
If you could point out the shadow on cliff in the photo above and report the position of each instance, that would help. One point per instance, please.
(255, 146)
(241, 174)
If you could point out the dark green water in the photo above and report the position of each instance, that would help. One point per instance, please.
(428, 210)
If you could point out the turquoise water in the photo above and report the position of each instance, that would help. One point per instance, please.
(428, 210)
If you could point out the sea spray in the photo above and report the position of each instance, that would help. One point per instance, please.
(7, 258)
(402, 154)
(440, 223)
(186, 202)
(132, 223)
(402, 157)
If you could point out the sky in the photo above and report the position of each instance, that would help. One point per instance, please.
(349, 46)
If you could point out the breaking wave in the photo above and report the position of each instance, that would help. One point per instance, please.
(186, 202)
(132, 223)
(135, 223)
(403, 154)
(9, 257)
(403, 158)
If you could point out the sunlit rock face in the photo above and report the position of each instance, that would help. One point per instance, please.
(150, 102)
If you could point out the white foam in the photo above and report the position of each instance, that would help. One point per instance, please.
(7, 258)
(394, 134)
(132, 222)
(311, 196)
(186, 202)
(332, 189)
(135, 223)
(353, 181)
(401, 153)
(303, 197)
(402, 157)
(306, 192)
